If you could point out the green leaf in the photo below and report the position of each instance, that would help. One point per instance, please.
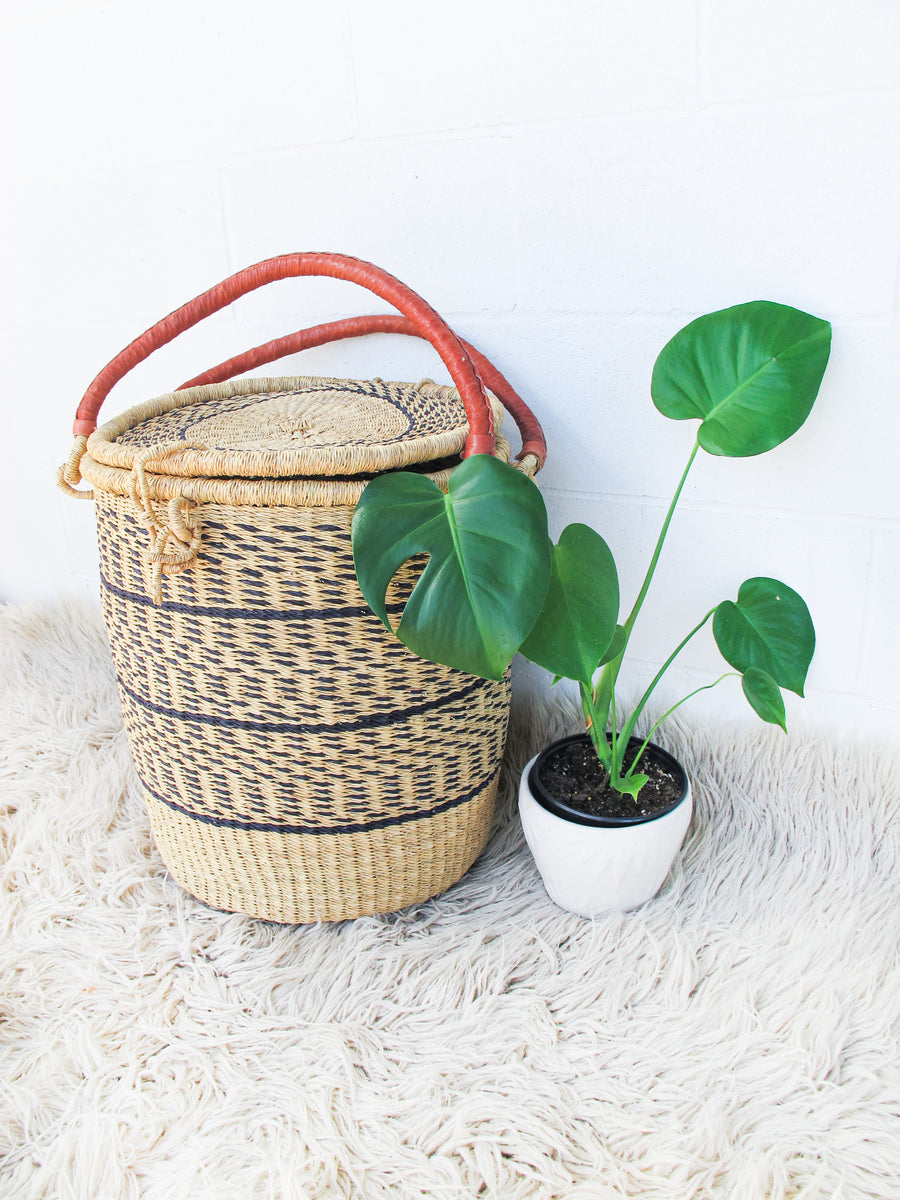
(615, 647)
(578, 619)
(629, 785)
(488, 566)
(768, 628)
(749, 373)
(765, 698)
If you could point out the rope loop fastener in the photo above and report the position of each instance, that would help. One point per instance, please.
(174, 541)
(68, 476)
(528, 464)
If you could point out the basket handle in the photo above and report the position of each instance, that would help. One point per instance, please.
(421, 315)
(533, 441)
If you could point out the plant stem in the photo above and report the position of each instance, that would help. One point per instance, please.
(603, 695)
(628, 728)
(632, 616)
(597, 731)
(706, 687)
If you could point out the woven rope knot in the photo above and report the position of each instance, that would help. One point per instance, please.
(174, 539)
(68, 476)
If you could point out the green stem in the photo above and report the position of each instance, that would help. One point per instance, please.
(607, 749)
(645, 586)
(604, 691)
(632, 781)
(605, 687)
(628, 728)
(706, 687)
(597, 732)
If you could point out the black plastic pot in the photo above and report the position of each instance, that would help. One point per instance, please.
(560, 809)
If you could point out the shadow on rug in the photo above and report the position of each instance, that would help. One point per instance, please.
(735, 1038)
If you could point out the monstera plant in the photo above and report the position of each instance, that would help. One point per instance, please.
(494, 584)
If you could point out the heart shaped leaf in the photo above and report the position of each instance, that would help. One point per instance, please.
(488, 567)
(769, 628)
(578, 620)
(765, 698)
(749, 373)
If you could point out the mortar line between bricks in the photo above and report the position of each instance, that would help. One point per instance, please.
(509, 130)
(623, 499)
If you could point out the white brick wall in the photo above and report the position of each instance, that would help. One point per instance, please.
(568, 186)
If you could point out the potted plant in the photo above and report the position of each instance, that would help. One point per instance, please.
(606, 811)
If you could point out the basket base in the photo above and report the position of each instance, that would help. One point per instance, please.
(299, 878)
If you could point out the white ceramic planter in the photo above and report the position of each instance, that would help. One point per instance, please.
(592, 869)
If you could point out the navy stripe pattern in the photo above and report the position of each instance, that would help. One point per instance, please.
(231, 613)
(264, 695)
(371, 721)
(321, 830)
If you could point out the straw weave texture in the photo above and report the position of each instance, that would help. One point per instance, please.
(299, 426)
(298, 762)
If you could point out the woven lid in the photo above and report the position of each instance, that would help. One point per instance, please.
(289, 428)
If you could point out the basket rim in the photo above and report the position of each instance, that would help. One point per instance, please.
(238, 491)
(196, 462)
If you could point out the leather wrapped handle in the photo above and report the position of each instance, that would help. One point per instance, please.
(427, 323)
(533, 441)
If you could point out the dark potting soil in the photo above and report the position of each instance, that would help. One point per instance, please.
(573, 774)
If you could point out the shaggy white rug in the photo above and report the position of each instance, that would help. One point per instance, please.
(735, 1038)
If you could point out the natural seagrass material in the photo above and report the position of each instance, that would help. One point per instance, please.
(298, 762)
(280, 428)
(268, 441)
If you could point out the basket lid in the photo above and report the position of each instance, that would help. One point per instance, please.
(282, 428)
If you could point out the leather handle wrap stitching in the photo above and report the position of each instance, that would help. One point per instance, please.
(533, 441)
(338, 266)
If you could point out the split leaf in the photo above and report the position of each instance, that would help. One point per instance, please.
(488, 566)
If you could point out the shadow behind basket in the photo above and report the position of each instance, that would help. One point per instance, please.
(298, 762)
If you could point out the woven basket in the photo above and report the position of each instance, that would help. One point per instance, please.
(297, 761)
